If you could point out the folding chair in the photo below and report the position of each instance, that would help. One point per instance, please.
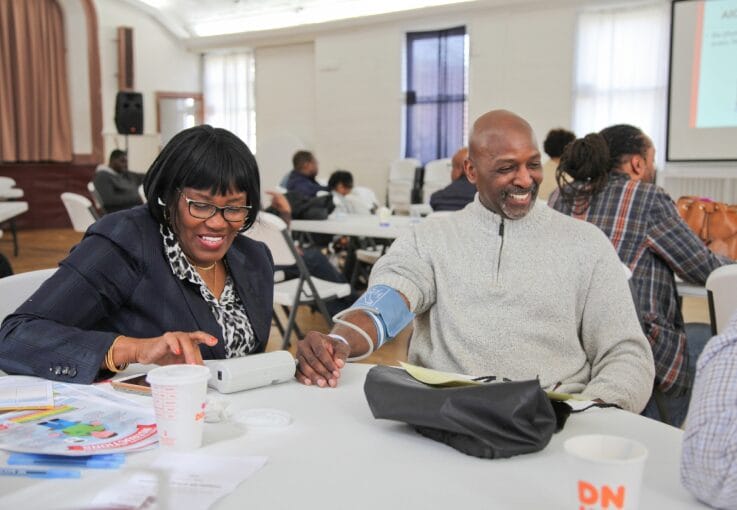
(365, 259)
(401, 179)
(80, 210)
(17, 288)
(96, 199)
(437, 176)
(304, 290)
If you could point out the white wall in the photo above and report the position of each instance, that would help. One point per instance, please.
(523, 60)
(78, 76)
(337, 88)
(161, 63)
(520, 58)
(359, 103)
(285, 107)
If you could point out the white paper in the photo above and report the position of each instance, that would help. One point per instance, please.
(193, 480)
(21, 392)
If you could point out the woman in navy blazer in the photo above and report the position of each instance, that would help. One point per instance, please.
(168, 282)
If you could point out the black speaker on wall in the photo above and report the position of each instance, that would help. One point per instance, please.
(129, 113)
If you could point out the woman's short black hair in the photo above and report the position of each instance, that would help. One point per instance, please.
(556, 141)
(203, 158)
(343, 177)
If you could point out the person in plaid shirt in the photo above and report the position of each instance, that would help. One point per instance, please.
(709, 455)
(612, 185)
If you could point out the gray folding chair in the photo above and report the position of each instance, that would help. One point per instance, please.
(80, 210)
(303, 290)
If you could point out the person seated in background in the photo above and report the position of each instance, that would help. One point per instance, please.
(539, 295)
(302, 178)
(608, 179)
(709, 453)
(347, 204)
(340, 185)
(116, 186)
(554, 145)
(302, 194)
(460, 192)
(169, 282)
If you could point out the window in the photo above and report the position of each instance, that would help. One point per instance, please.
(436, 93)
(228, 90)
(622, 70)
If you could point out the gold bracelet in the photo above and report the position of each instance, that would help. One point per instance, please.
(110, 363)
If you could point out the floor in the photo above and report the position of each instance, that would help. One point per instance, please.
(44, 248)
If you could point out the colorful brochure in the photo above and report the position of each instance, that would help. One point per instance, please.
(82, 421)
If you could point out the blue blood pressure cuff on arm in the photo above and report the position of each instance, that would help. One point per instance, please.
(386, 306)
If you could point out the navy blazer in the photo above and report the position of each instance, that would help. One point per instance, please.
(118, 281)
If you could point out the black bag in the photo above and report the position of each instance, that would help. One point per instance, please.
(315, 208)
(494, 420)
(5, 269)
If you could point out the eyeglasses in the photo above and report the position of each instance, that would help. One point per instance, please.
(205, 210)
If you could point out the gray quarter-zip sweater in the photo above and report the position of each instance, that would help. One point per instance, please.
(542, 296)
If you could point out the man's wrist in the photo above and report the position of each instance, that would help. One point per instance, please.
(339, 338)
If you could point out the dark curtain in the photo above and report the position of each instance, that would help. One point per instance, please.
(436, 93)
(35, 122)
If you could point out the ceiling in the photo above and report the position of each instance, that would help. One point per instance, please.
(192, 19)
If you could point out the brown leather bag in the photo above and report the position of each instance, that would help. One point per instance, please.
(714, 222)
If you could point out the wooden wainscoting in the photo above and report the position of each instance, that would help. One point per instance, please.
(43, 184)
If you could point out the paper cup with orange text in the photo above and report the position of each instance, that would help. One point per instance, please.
(605, 472)
(179, 393)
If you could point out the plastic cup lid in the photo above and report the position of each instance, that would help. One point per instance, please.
(261, 418)
(178, 374)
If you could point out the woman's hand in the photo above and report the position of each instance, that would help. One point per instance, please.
(320, 359)
(170, 348)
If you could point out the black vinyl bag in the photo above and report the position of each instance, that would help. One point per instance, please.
(315, 208)
(495, 420)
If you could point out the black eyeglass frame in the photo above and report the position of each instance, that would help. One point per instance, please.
(214, 209)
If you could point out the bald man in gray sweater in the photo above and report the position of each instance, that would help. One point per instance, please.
(506, 286)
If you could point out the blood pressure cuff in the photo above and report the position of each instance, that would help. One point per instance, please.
(495, 420)
(388, 306)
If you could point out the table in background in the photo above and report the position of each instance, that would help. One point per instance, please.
(8, 212)
(690, 289)
(11, 193)
(335, 455)
(357, 226)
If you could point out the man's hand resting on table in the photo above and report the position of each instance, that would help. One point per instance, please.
(320, 359)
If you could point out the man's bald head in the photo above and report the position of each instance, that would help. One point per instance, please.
(492, 126)
(504, 163)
